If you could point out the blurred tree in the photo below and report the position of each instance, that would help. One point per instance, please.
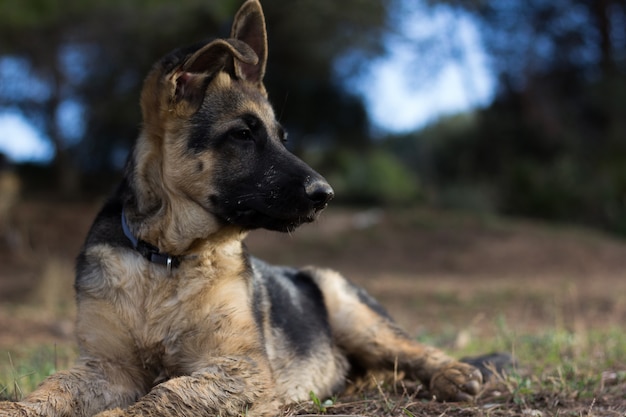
(553, 142)
(86, 60)
(74, 68)
(368, 177)
(309, 40)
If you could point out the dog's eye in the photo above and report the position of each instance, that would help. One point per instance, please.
(242, 134)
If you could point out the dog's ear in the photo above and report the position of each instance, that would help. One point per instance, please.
(249, 27)
(244, 56)
(199, 68)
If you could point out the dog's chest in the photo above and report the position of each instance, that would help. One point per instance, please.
(166, 324)
(185, 320)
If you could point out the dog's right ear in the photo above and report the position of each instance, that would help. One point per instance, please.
(249, 27)
(191, 78)
(178, 82)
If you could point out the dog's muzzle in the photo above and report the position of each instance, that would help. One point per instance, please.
(319, 192)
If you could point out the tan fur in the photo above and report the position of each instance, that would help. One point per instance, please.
(181, 220)
(164, 332)
(380, 344)
(202, 338)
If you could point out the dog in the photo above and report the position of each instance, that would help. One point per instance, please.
(174, 316)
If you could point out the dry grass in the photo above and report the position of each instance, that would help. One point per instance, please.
(557, 373)
(554, 297)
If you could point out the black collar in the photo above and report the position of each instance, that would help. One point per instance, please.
(148, 251)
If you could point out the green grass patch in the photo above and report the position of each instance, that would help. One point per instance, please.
(21, 370)
(555, 365)
(556, 371)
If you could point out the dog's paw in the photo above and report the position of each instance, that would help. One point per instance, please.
(116, 412)
(456, 382)
(11, 409)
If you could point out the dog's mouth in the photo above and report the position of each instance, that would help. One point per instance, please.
(254, 219)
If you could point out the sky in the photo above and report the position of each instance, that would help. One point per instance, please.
(396, 103)
(20, 141)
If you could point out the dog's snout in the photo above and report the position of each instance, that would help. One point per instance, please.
(319, 192)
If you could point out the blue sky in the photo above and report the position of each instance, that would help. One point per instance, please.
(396, 99)
(20, 141)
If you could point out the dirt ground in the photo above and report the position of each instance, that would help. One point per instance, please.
(454, 277)
(430, 269)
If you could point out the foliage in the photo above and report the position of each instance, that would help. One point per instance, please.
(74, 69)
(504, 163)
(22, 370)
(370, 177)
(553, 142)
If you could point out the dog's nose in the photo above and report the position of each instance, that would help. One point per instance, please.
(319, 192)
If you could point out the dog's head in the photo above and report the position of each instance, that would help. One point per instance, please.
(211, 146)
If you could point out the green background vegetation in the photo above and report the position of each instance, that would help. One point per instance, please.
(551, 145)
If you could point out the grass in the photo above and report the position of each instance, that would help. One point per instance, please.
(557, 372)
(21, 370)
(553, 298)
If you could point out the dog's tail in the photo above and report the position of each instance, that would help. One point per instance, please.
(491, 363)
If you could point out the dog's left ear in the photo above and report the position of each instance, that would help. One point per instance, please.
(249, 27)
(191, 78)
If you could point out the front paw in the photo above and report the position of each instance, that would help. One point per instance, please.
(11, 409)
(456, 382)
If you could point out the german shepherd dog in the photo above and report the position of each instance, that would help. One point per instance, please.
(174, 316)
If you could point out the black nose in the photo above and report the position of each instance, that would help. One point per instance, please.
(319, 192)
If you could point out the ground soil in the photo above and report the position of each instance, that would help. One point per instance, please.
(463, 276)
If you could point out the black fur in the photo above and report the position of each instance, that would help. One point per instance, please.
(263, 185)
(106, 229)
(297, 305)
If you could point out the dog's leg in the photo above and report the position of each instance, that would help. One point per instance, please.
(84, 390)
(374, 341)
(231, 386)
